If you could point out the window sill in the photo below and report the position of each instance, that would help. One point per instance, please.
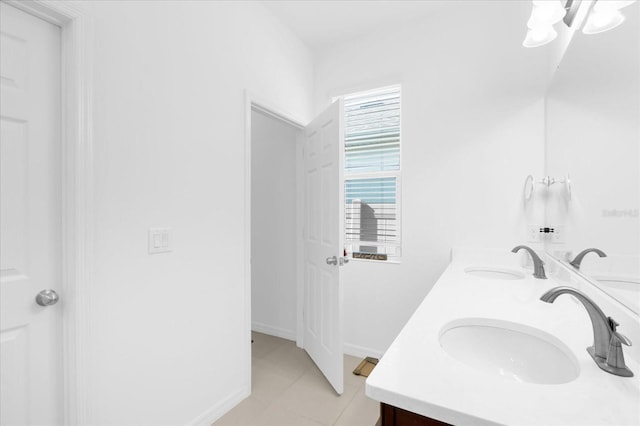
(395, 262)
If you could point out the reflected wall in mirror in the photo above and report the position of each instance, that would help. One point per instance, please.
(593, 133)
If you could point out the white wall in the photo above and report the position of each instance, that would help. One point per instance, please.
(273, 226)
(472, 130)
(170, 337)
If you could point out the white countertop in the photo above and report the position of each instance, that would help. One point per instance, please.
(417, 375)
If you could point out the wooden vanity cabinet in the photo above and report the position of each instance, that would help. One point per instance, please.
(394, 416)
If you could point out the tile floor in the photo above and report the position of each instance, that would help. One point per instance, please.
(288, 389)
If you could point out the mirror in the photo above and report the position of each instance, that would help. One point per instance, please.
(593, 134)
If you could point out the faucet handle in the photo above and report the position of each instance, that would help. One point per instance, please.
(622, 338)
(615, 335)
(614, 363)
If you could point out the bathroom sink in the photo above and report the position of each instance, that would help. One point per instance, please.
(511, 350)
(494, 273)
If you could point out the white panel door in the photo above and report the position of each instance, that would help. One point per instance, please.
(30, 218)
(323, 245)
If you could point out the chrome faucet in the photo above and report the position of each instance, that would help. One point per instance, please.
(538, 264)
(606, 350)
(578, 260)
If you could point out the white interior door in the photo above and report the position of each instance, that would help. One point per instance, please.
(30, 218)
(323, 246)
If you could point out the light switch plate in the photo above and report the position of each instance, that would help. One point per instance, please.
(159, 240)
(554, 236)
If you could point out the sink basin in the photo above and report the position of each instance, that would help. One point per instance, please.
(511, 350)
(494, 273)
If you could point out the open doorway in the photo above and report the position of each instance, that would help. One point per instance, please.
(293, 182)
(274, 204)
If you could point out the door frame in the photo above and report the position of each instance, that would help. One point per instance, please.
(253, 101)
(77, 198)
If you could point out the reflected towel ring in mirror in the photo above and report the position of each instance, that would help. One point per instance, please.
(548, 181)
(530, 181)
(528, 187)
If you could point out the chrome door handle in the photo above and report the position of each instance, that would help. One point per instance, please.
(47, 298)
(332, 260)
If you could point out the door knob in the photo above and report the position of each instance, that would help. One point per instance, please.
(47, 298)
(332, 260)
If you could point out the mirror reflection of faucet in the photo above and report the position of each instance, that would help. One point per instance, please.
(538, 264)
(606, 350)
(578, 259)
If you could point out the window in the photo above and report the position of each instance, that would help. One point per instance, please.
(372, 172)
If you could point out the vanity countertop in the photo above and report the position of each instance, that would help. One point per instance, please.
(417, 375)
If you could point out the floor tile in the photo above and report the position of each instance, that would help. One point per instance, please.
(278, 416)
(313, 398)
(268, 383)
(263, 344)
(290, 360)
(243, 414)
(362, 411)
(350, 364)
(289, 389)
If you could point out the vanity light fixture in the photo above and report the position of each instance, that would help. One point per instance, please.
(605, 15)
(602, 16)
(544, 14)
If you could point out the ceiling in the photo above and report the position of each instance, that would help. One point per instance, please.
(322, 23)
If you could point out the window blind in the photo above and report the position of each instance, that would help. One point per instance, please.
(372, 131)
(372, 171)
(371, 214)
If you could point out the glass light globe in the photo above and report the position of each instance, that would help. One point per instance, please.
(611, 5)
(539, 36)
(545, 13)
(599, 22)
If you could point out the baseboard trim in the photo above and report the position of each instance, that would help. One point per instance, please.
(273, 331)
(361, 351)
(220, 409)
